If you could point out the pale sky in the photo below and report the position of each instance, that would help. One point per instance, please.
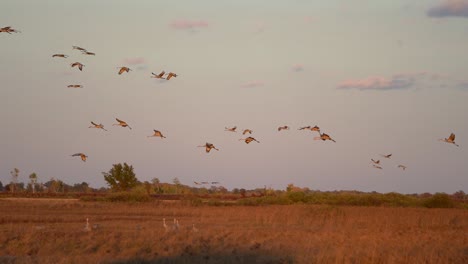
(379, 77)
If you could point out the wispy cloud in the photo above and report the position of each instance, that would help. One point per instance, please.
(298, 67)
(449, 8)
(395, 82)
(188, 24)
(254, 83)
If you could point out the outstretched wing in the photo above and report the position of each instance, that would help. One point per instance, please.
(77, 154)
(452, 137)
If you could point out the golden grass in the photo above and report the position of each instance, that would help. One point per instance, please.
(52, 231)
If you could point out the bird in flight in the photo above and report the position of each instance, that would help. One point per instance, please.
(324, 137)
(121, 123)
(208, 147)
(158, 76)
(59, 56)
(157, 133)
(283, 128)
(247, 131)
(375, 161)
(402, 166)
(386, 156)
(83, 156)
(75, 86)
(197, 183)
(315, 128)
(249, 139)
(78, 48)
(214, 182)
(170, 75)
(232, 129)
(77, 64)
(377, 167)
(85, 52)
(9, 30)
(124, 69)
(450, 139)
(100, 126)
(307, 127)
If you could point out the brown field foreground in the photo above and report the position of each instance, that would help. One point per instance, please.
(53, 231)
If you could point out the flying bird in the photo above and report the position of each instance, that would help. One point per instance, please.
(124, 69)
(402, 166)
(232, 129)
(375, 161)
(88, 53)
(158, 76)
(83, 156)
(170, 75)
(307, 127)
(386, 156)
(121, 123)
(157, 133)
(9, 30)
(78, 48)
(75, 86)
(197, 183)
(79, 65)
(249, 139)
(283, 128)
(315, 128)
(324, 137)
(59, 55)
(450, 139)
(214, 182)
(247, 131)
(208, 147)
(377, 167)
(100, 126)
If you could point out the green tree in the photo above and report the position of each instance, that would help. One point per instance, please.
(33, 180)
(14, 179)
(121, 177)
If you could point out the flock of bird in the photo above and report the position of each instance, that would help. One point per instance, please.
(208, 146)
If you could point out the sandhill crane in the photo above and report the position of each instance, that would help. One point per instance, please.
(247, 131)
(79, 65)
(83, 156)
(194, 229)
(175, 226)
(315, 128)
(170, 75)
(307, 127)
(214, 182)
(324, 137)
(208, 147)
(78, 48)
(88, 53)
(100, 126)
(377, 167)
(121, 123)
(157, 133)
(283, 128)
(75, 86)
(402, 166)
(197, 183)
(165, 225)
(232, 129)
(204, 183)
(386, 156)
(249, 139)
(375, 161)
(60, 56)
(87, 228)
(9, 30)
(158, 76)
(450, 139)
(124, 69)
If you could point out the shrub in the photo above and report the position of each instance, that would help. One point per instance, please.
(439, 200)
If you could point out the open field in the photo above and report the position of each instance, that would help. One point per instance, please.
(52, 231)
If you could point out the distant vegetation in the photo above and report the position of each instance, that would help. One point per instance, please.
(125, 187)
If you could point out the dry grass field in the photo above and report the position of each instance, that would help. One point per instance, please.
(52, 231)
